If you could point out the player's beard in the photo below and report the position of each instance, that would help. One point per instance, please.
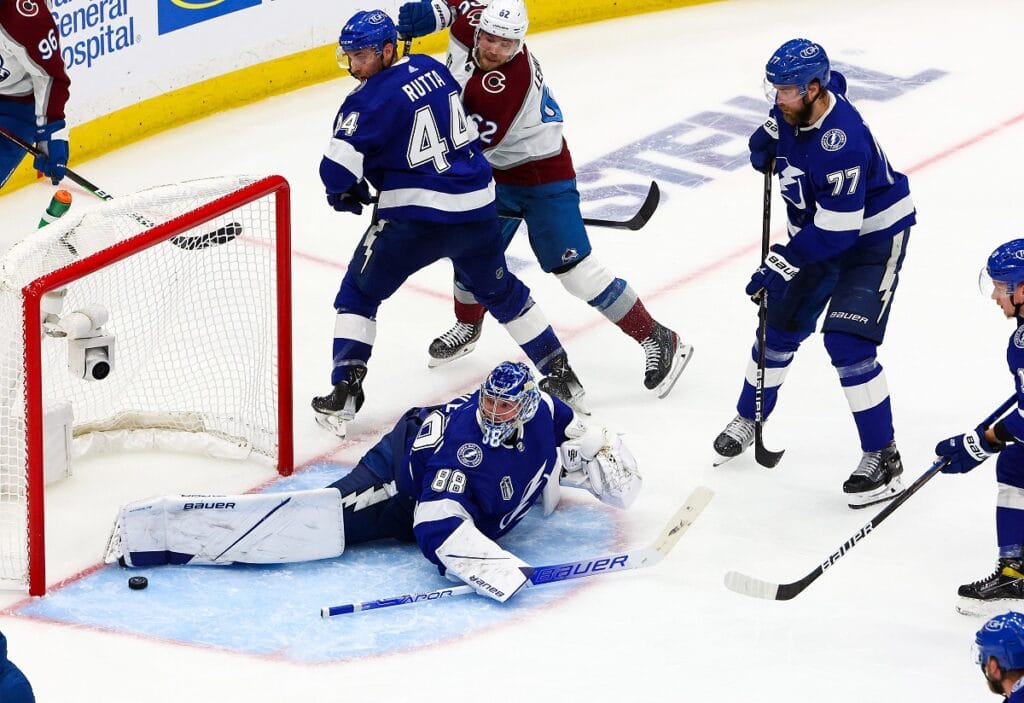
(994, 686)
(802, 117)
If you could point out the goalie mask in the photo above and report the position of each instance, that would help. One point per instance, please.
(508, 400)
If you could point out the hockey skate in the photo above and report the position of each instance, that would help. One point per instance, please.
(562, 383)
(876, 478)
(336, 409)
(735, 439)
(1002, 590)
(666, 359)
(456, 342)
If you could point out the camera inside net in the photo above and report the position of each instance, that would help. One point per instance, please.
(90, 347)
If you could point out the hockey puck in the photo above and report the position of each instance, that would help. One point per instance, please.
(137, 583)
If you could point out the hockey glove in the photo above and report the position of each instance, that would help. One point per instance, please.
(52, 140)
(351, 200)
(763, 145)
(418, 19)
(775, 273)
(965, 451)
(602, 464)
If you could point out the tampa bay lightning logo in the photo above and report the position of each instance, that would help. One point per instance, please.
(1018, 337)
(833, 140)
(470, 455)
(791, 183)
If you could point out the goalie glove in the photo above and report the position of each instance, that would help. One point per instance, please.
(600, 463)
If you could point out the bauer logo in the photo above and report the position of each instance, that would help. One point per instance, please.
(176, 14)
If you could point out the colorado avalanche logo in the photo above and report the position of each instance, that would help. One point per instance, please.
(1018, 337)
(28, 8)
(493, 82)
(470, 455)
(569, 255)
(833, 140)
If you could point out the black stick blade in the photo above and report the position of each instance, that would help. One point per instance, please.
(219, 236)
(764, 456)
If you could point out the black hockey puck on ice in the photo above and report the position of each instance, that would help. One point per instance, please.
(137, 583)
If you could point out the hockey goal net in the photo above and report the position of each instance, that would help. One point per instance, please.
(155, 320)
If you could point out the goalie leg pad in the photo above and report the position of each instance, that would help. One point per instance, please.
(263, 528)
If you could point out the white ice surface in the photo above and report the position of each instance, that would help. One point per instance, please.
(880, 626)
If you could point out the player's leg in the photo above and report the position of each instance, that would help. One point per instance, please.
(387, 255)
(19, 119)
(1004, 588)
(790, 321)
(461, 339)
(480, 262)
(560, 242)
(854, 327)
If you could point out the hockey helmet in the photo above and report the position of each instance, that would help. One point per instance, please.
(506, 19)
(509, 398)
(798, 62)
(367, 29)
(1005, 265)
(1001, 637)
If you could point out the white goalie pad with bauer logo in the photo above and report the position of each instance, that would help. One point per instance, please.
(263, 528)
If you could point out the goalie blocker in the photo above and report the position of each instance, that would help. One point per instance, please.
(454, 478)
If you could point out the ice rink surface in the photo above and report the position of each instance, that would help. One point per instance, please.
(880, 626)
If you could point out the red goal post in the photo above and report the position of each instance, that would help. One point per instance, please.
(193, 285)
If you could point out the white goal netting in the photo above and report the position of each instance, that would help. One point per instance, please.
(169, 299)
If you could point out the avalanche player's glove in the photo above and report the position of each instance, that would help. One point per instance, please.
(775, 273)
(418, 19)
(763, 145)
(965, 451)
(351, 200)
(52, 140)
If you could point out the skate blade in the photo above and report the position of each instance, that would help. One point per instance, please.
(974, 607)
(434, 362)
(333, 423)
(880, 495)
(684, 352)
(722, 459)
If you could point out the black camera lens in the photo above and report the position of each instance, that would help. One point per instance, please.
(100, 370)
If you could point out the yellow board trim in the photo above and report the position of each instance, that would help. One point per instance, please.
(248, 85)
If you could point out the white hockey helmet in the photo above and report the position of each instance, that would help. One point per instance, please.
(506, 19)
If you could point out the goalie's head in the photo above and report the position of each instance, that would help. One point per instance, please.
(508, 399)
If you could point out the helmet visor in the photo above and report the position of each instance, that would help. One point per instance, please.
(783, 94)
(990, 287)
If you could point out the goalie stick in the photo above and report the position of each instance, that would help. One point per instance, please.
(757, 588)
(539, 575)
(222, 235)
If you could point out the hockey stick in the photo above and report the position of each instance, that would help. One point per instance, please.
(539, 575)
(764, 456)
(756, 588)
(222, 235)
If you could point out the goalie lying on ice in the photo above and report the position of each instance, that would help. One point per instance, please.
(453, 478)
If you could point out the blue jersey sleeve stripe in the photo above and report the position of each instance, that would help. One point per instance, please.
(899, 210)
(435, 510)
(345, 155)
(836, 221)
(445, 202)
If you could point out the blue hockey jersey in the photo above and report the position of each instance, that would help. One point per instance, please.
(837, 182)
(405, 132)
(1015, 360)
(455, 477)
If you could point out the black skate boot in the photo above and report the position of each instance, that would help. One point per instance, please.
(666, 359)
(458, 341)
(1002, 590)
(562, 383)
(334, 410)
(735, 439)
(876, 478)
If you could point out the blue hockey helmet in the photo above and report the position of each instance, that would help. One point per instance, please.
(1001, 637)
(368, 29)
(509, 398)
(798, 62)
(1005, 265)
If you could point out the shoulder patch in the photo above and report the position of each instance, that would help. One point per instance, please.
(470, 455)
(1018, 337)
(833, 140)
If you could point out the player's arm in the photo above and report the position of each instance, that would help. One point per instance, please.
(423, 17)
(446, 533)
(341, 168)
(36, 43)
(1011, 428)
(840, 187)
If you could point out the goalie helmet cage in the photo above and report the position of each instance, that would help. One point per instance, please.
(197, 282)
